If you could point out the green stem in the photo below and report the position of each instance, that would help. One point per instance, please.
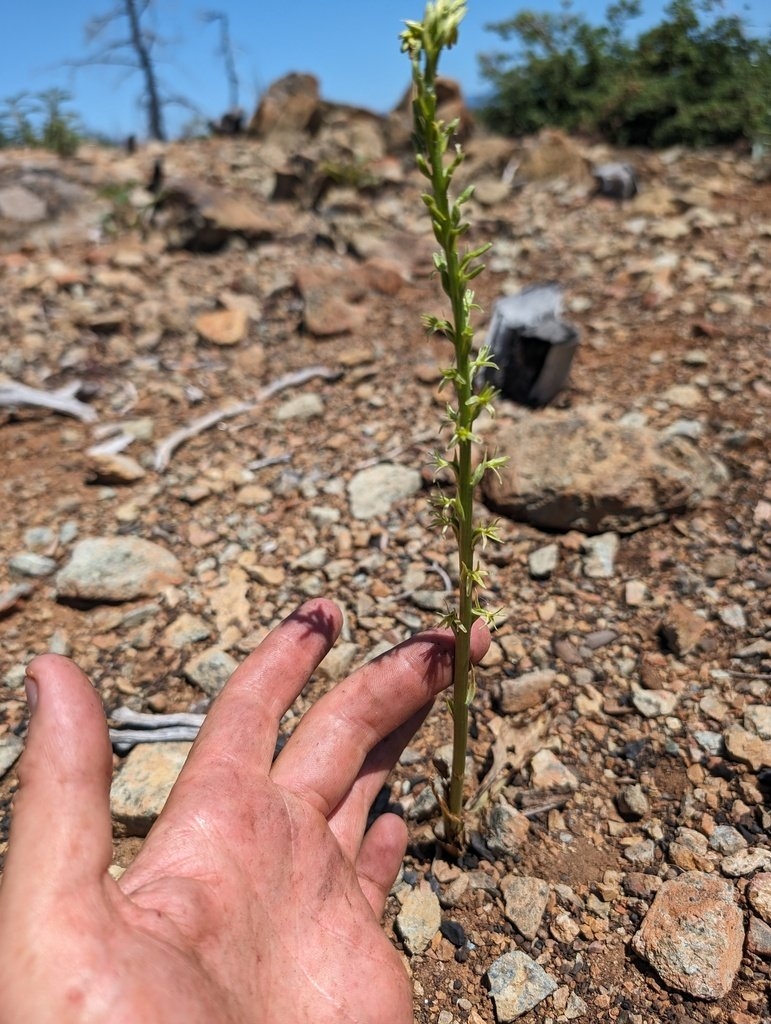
(424, 42)
(462, 665)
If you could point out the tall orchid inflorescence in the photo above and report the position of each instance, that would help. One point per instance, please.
(438, 160)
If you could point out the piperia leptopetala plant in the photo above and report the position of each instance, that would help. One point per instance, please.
(438, 159)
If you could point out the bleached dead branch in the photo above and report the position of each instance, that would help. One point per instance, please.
(168, 446)
(62, 400)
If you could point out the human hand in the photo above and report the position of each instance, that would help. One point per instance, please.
(257, 895)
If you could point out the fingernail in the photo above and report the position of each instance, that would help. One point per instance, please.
(30, 687)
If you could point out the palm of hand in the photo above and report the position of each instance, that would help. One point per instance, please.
(258, 893)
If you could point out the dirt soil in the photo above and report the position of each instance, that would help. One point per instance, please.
(671, 296)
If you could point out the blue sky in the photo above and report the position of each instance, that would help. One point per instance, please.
(351, 45)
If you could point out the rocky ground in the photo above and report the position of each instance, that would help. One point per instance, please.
(619, 865)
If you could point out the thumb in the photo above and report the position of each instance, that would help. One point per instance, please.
(61, 828)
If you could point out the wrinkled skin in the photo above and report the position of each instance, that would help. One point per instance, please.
(257, 895)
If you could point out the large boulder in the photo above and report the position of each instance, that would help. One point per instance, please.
(351, 135)
(574, 471)
(194, 216)
(549, 155)
(290, 105)
(693, 935)
(451, 106)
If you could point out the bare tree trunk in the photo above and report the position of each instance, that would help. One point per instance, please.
(142, 49)
(226, 49)
(230, 64)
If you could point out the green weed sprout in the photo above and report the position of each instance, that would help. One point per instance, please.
(424, 42)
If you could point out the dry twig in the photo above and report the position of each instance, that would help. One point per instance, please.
(150, 728)
(168, 446)
(62, 400)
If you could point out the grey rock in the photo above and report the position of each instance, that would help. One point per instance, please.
(185, 630)
(641, 886)
(517, 984)
(418, 920)
(210, 670)
(426, 805)
(375, 490)
(198, 217)
(759, 938)
(600, 638)
(39, 538)
(692, 429)
(635, 592)
(654, 703)
(28, 563)
(600, 556)
(10, 749)
(747, 748)
(693, 935)
(746, 862)
(490, 191)
(696, 357)
(68, 531)
(681, 629)
(19, 204)
(313, 558)
(733, 616)
(60, 644)
(14, 677)
(642, 854)
(709, 741)
(525, 900)
(507, 830)
(720, 566)
(632, 802)
(757, 717)
(548, 772)
(117, 569)
(141, 787)
(757, 649)
(526, 691)
(324, 515)
(113, 468)
(689, 851)
(759, 895)
(727, 840)
(543, 561)
(430, 600)
(339, 661)
(302, 407)
(573, 471)
(576, 1007)
(687, 396)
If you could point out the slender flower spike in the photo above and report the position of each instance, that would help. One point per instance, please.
(437, 159)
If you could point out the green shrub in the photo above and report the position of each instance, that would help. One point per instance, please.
(41, 121)
(692, 79)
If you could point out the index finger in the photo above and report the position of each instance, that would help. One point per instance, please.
(325, 753)
(234, 749)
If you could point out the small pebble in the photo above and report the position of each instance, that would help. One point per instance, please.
(733, 615)
(600, 555)
(543, 561)
(632, 802)
(29, 563)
